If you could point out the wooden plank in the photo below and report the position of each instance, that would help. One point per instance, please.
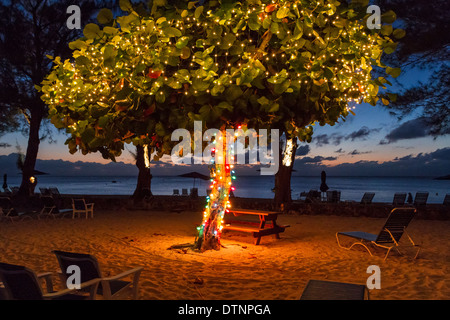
(254, 212)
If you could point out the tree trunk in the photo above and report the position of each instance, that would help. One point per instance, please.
(143, 187)
(217, 202)
(283, 176)
(27, 186)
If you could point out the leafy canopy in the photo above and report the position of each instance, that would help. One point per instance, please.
(278, 64)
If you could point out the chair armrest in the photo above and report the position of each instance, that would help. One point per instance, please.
(94, 283)
(48, 280)
(135, 271)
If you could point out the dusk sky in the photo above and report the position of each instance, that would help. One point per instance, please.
(372, 135)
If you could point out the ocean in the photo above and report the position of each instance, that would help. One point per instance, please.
(352, 188)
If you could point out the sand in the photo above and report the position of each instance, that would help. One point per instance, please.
(273, 270)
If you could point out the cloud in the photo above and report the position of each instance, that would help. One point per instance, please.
(339, 151)
(432, 164)
(362, 133)
(336, 139)
(412, 129)
(316, 159)
(356, 152)
(303, 150)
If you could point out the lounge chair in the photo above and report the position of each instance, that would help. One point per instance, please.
(194, 193)
(79, 206)
(8, 212)
(176, 192)
(421, 199)
(313, 196)
(389, 235)
(110, 287)
(21, 283)
(45, 191)
(446, 200)
(399, 199)
(50, 209)
(331, 290)
(333, 196)
(54, 192)
(367, 198)
(184, 192)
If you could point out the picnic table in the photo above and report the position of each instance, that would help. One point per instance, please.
(257, 229)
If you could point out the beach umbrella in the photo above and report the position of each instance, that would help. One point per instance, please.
(5, 184)
(323, 185)
(195, 175)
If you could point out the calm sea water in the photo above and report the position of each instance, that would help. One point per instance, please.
(352, 188)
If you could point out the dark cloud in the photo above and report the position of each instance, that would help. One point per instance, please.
(412, 129)
(303, 150)
(362, 133)
(316, 159)
(356, 152)
(433, 164)
(339, 151)
(336, 139)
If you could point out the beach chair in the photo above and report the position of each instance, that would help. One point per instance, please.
(110, 287)
(399, 199)
(389, 235)
(184, 192)
(44, 191)
(313, 196)
(331, 290)
(367, 198)
(21, 283)
(54, 192)
(8, 212)
(421, 199)
(176, 192)
(446, 200)
(194, 193)
(50, 209)
(333, 196)
(79, 206)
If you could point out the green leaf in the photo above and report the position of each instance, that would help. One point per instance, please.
(263, 101)
(399, 33)
(105, 16)
(172, 32)
(274, 107)
(91, 31)
(125, 5)
(389, 17)
(386, 29)
(182, 42)
(394, 72)
(110, 30)
(282, 12)
(198, 12)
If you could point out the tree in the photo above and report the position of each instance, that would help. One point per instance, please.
(283, 66)
(30, 30)
(426, 45)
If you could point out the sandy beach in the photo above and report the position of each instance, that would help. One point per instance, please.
(273, 270)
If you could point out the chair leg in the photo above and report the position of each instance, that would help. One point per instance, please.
(353, 244)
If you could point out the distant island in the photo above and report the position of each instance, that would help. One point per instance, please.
(447, 177)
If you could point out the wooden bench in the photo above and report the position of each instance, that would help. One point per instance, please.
(259, 229)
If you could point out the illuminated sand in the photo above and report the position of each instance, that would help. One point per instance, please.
(276, 269)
